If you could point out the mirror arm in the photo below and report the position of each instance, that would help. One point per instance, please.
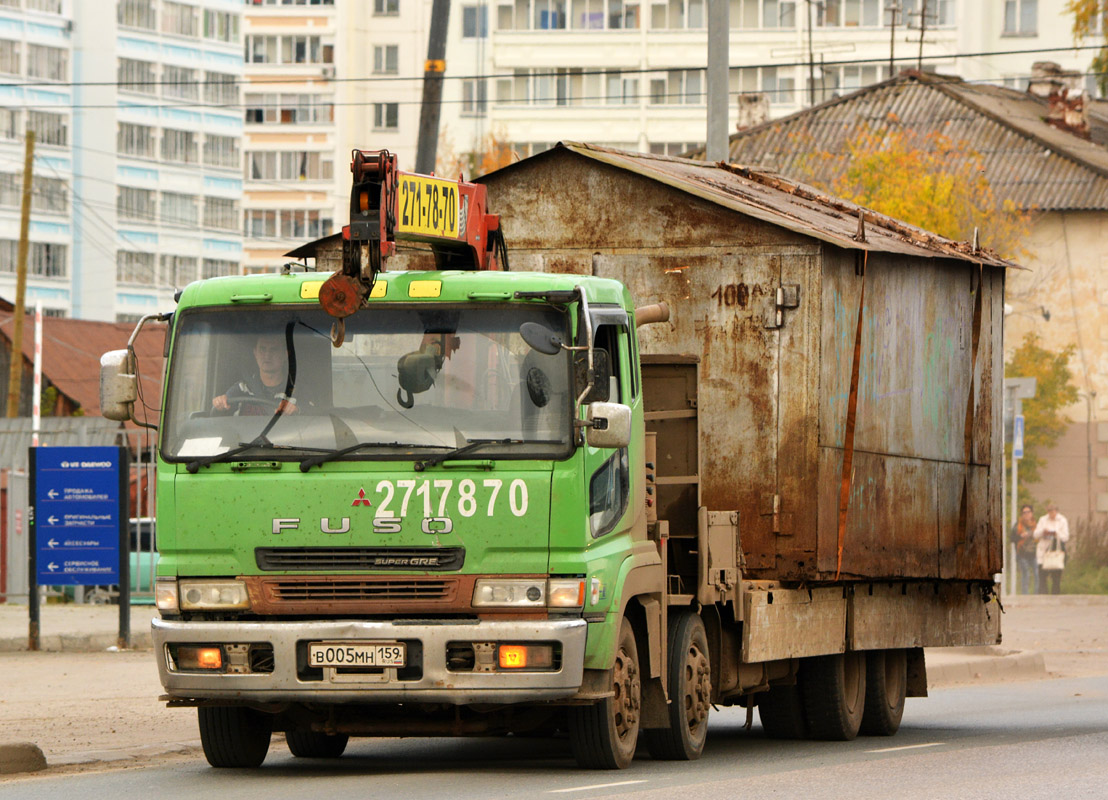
(586, 318)
(133, 358)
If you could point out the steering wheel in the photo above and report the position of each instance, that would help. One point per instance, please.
(238, 403)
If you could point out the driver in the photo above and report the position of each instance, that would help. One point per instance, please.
(267, 385)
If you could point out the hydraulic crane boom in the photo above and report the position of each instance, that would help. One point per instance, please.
(389, 206)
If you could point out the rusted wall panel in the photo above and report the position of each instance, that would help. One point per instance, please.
(789, 623)
(921, 615)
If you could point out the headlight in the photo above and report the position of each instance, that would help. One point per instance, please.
(529, 593)
(510, 592)
(213, 595)
(165, 595)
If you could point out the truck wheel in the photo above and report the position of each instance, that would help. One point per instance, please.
(781, 710)
(604, 735)
(234, 736)
(886, 686)
(690, 693)
(834, 691)
(313, 744)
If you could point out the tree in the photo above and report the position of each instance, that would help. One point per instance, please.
(929, 180)
(1090, 17)
(493, 152)
(1043, 420)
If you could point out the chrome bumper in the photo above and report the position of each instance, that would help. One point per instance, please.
(435, 685)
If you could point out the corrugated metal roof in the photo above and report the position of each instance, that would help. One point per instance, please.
(1028, 161)
(71, 350)
(800, 208)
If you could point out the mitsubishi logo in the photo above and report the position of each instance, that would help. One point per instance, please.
(361, 500)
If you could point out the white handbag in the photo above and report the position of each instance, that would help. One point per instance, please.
(1054, 558)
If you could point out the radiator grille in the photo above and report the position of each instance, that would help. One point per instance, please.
(345, 559)
(360, 590)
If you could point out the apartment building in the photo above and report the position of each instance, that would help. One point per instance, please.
(291, 134)
(630, 73)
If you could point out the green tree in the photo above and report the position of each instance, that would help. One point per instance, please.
(1090, 18)
(1042, 415)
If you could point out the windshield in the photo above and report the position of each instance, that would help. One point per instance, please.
(405, 381)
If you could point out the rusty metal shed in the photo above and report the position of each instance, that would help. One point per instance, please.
(766, 280)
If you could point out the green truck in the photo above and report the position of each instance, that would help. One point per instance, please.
(476, 509)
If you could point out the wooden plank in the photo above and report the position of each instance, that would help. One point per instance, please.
(922, 615)
(793, 623)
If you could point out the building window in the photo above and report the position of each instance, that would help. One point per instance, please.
(289, 50)
(261, 223)
(177, 271)
(45, 6)
(475, 97)
(136, 204)
(180, 19)
(221, 87)
(768, 13)
(179, 209)
(680, 86)
(288, 109)
(136, 14)
(221, 151)
(290, 2)
(386, 58)
(386, 8)
(179, 146)
(43, 259)
(261, 166)
(136, 140)
(136, 76)
(49, 128)
(218, 268)
(49, 63)
(306, 166)
(221, 213)
(386, 116)
(619, 90)
(9, 57)
(778, 86)
(180, 82)
(475, 21)
(49, 195)
(301, 224)
(550, 15)
(940, 13)
(9, 124)
(677, 14)
(1021, 17)
(134, 267)
(223, 26)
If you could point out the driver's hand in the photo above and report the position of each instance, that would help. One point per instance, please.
(220, 403)
(288, 407)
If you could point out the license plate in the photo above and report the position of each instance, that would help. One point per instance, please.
(355, 655)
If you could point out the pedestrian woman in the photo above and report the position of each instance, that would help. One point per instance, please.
(1052, 533)
(1023, 537)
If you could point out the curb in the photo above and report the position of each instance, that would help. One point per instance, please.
(76, 643)
(960, 665)
(21, 757)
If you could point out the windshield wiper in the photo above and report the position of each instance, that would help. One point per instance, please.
(262, 441)
(331, 455)
(473, 444)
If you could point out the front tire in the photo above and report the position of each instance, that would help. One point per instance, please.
(886, 687)
(234, 736)
(604, 735)
(690, 693)
(313, 744)
(834, 691)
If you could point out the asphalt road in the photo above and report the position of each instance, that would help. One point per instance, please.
(1035, 739)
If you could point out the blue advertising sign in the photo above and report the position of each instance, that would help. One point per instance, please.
(77, 514)
(1017, 437)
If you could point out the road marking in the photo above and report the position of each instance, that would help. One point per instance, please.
(594, 786)
(906, 747)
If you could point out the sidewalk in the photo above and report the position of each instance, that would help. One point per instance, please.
(84, 702)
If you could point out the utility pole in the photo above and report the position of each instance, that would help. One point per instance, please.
(893, 8)
(922, 31)
(15, 375)
(433, 69)
(811, 61)
(719, 30)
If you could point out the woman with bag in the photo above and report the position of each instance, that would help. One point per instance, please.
(1052, 533)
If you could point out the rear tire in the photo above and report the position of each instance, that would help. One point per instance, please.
(234, 736)
(834, 691)
(604, 735)
(781, 710)
(690, 693)
(886, 687)
(313, 744)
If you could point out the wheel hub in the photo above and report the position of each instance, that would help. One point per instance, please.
(698, 687)
(627, 693)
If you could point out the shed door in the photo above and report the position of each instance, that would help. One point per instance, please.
(718, 306)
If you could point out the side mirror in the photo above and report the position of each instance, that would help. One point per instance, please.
(541, 338)
(118, 385)
(608, 425)
(602, 375)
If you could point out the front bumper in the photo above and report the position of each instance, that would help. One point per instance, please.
(434, 683)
